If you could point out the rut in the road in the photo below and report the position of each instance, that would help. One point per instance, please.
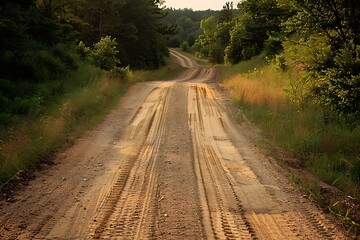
(230, 202)
(127, 209)
(170, 163)
(235, 204)
(223, 218)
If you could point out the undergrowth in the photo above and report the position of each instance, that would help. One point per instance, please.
(169, 71)
(82, 101)
(325, 146)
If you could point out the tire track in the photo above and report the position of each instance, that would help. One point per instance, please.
(184, 61)
(222, 216)
(144, 175)
(235, 204)
(126, 210)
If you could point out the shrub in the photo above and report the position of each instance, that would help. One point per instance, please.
(66, 55)
(40, 66)
(121, 73)
(104, 53)
(83, 51)
(272, 47)
(185, 46)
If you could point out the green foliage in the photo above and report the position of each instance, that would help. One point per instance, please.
(121, 73)
(279, 62)
(211, 44)
(104, 53)
(188, 25)
(38, 49)
(329, 149)
(185, 46)
(83, 51)
(329, 39)
(232, 39)
(340, 92)
(137, 25)
(272, 47)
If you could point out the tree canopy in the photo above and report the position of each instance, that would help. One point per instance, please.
(45, 40)
(322, 36)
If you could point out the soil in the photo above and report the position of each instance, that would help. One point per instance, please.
(169, 162)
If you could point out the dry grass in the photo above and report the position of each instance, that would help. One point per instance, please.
(85, 104)
(258, 88)
(36, 139)
(167, 72)
(328, 149)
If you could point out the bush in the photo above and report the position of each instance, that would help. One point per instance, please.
(40, 66)
(24, 106)
(272, 47)
(121, 73)
(83, 51)
(104, 53)
(185, 46)
(66, 55)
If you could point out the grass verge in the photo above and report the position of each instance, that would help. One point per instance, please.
(200, 61)
(87, 97)
(326, 148)
(169, 71)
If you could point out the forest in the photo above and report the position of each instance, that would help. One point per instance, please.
(187, 22)
(319, 38)
(45, 41)
(64, 65)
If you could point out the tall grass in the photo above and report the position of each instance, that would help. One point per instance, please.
(328, 149)
(167, 72)
(242, 67)
(83, 100)
(36, 137)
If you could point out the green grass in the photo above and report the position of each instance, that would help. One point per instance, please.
(200, 61)
(84, 100)
(65, 117)
(167, 72)
(242, 67)
(331, 151)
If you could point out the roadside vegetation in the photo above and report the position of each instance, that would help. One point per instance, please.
(327, 148)
(35, 138)
(64, 65)
(188, 25)
(293, 68)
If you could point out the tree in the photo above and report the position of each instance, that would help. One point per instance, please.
(226, 14)
(244, 43)
(213, 42)
(137, 26)
(104, 53)
(188, 25)
(337, 77)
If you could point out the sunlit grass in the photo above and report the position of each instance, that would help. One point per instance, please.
(168, 72)
(258, 89)
(37, 138)
(329, 150)
(83, 105)
(243, 67)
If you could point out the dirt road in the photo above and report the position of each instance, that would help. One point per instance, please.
(168, 163)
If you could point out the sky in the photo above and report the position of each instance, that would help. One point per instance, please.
(197, 4)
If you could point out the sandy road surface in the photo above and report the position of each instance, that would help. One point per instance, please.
(168, 163)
